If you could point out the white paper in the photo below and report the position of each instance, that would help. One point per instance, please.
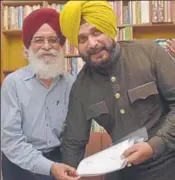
(105, 161)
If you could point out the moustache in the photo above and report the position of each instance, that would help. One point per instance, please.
(52, 52)
(96, 50)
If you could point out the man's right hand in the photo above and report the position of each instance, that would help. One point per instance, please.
(64, 172)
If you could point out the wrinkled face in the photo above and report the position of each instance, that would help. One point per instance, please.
(94, 46)
(45, 54)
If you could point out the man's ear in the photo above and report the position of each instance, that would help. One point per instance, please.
(25, 52)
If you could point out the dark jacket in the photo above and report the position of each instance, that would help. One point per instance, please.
(137, 90)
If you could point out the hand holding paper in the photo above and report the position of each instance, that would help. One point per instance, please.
(110, 159)
(105, 161)
(138, 153)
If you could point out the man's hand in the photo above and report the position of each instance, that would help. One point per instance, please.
(138, 153)
(64, 172)
(171, 47)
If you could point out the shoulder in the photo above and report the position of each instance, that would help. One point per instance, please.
(68, 77)
(83, 80)
(11, 79)
(138, 45)
(141, 50)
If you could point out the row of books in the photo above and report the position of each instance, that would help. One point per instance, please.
(127, 12)
(13, 16)
(143, 12)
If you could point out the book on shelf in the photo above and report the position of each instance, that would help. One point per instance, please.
(141, 12)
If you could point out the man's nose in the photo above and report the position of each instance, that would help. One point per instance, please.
(46, 45)
(92, 42)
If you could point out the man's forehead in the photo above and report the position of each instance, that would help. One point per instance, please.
(86, 28)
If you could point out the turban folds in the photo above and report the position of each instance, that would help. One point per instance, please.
(97, 13)
(36, 19)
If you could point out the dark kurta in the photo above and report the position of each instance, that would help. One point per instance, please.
(138, 91)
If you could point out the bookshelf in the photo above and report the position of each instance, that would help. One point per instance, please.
(155, 21)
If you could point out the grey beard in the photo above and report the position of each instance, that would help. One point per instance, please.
(48, 68)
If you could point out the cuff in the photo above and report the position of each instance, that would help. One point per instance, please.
(43, 166)
(158, 145)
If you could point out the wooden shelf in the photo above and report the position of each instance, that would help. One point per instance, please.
(71, 55)
(154, 25)
(148, 25)
(57, 2)
(21, 3)
(12, 32)
(136, 27)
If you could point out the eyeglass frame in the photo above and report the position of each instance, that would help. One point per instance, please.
(57, 40)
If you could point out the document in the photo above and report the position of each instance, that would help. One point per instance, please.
(110, 159)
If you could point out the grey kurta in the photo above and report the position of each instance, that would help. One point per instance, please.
(138, 90)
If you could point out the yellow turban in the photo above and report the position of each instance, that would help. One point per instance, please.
(97, 13)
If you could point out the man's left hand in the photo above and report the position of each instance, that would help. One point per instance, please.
(138, 153)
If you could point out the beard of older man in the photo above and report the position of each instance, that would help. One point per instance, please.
(46, 64)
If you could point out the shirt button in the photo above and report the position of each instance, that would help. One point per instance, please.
(113, 79)
(49, 141)
(122, 111)
(117, 95)
(47, 125)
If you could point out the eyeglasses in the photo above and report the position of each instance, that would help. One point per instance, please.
(53, 40)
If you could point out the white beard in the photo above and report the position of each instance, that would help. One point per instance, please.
(47, 66)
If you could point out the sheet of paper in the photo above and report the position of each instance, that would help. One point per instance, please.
(105, 161)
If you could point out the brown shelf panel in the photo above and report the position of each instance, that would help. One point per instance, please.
(12, 32)
(154, 25)
(71, 55)
(57, 2)
(21, 3)
(148, 25)
(18, 32)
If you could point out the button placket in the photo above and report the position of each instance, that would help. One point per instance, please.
(47, 120)
(117, 95)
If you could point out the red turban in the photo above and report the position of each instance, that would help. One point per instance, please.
(36, 19)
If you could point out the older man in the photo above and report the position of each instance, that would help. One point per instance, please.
(123, 86)
(34, 103)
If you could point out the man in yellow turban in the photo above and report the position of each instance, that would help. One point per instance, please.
(96, 13)
(123, 86)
